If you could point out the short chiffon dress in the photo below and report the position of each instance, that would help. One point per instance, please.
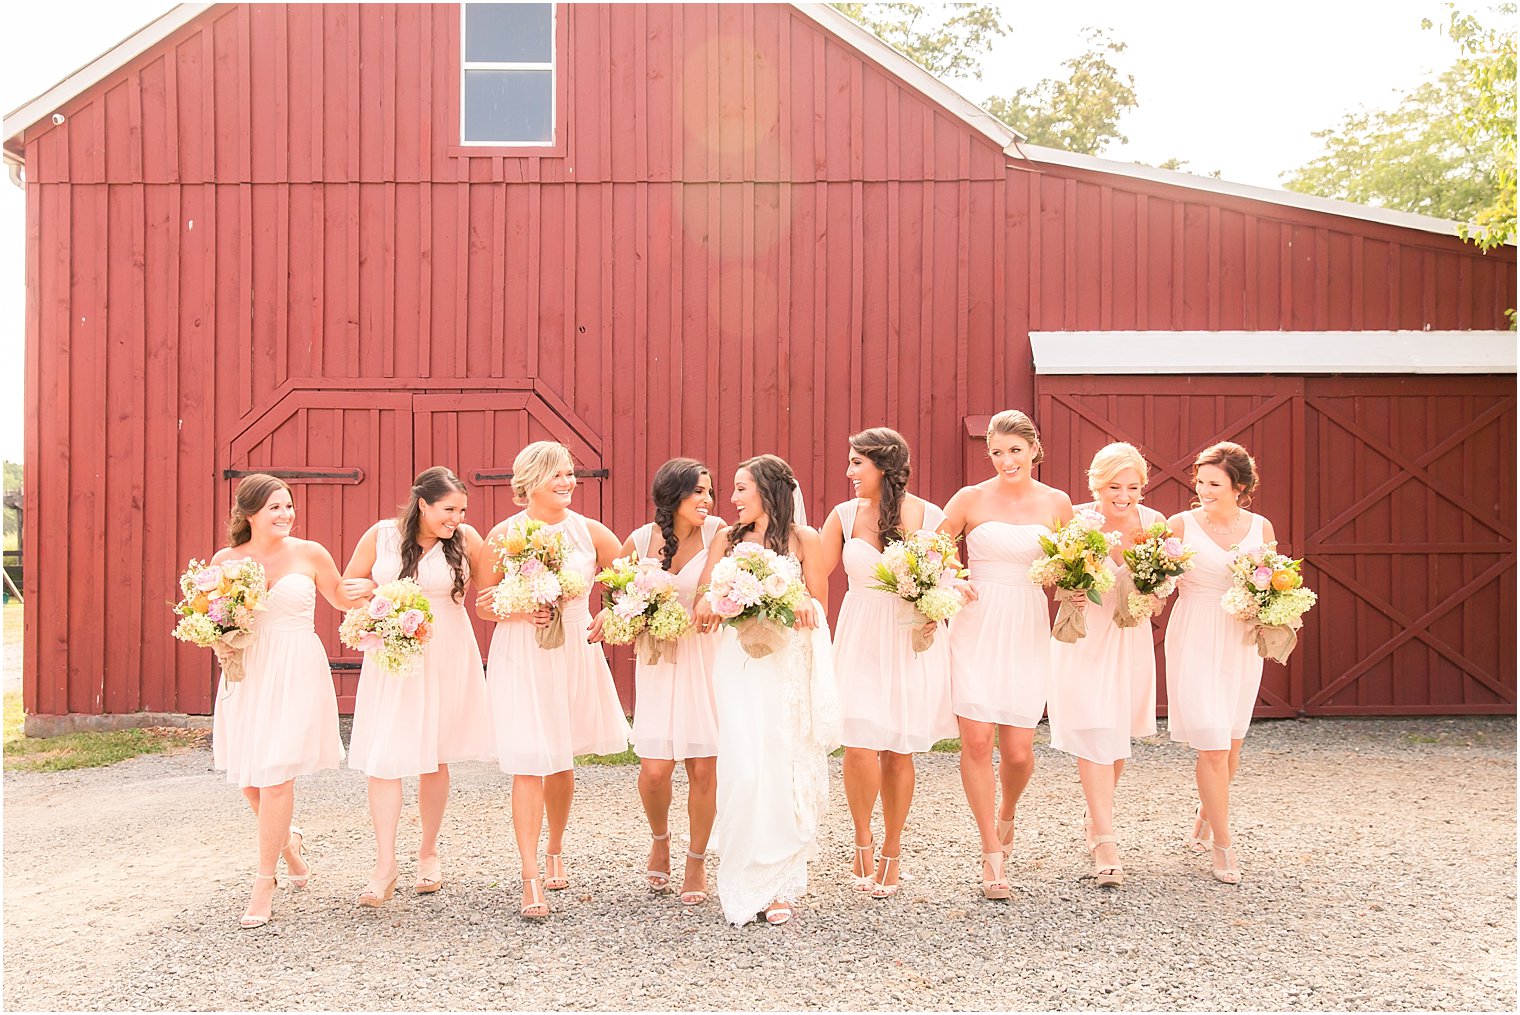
(1000, 642)
(281, 719)
(437, 713)
(549, 705)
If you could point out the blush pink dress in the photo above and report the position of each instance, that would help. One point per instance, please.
(281, 719)
(1000, 643)
(1103, 686)
(1213, 671)
(675, 716)
(438, 713)
(890, 697)
(548, 705)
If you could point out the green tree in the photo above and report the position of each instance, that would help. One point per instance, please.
(1487, 65)
(1080, 112)
(948, 41)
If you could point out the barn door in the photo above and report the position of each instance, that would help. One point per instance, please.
(1411, 544)
(1171, 419)
(348, 458)
(478, 434)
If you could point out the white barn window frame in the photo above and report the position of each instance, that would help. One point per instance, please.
(549, 68)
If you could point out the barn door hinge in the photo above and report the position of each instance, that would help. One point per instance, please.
(345, 476)
(479, 476)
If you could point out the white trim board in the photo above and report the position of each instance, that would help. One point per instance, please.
(1273, 352)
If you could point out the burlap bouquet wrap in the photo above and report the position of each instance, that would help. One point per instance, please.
(1071, 620)
(552, 636)
(1123, 586)
(229, 652)
(760, 637)
(915, 621)
(1275, 641)
(651, 649)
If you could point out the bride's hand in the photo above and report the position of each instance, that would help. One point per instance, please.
(807, 616)
(703, 619)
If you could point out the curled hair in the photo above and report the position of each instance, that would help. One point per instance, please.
(431, 485)
(777, 485)
(1012, 422)
(888, 451)
(673, 482)
(1236, 462)
(253, 492)
(1113, 459)
(535, 465)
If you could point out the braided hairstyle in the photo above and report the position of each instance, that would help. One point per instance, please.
(431, 485)
(673, 482)
(253, 492)
(777, 485)
(888, 451)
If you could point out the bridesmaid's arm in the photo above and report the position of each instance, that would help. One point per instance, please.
(329, 582)
(814, 576)
(357, 583)
(484, 576)
(831, 543)
(956, 512)
(703, 618)
(1062, 503)
(1268, 534)
(606, 544)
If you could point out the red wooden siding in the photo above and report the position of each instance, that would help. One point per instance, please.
(257, 245)
(1398, 492)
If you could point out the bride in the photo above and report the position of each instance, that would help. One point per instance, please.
(778, 717)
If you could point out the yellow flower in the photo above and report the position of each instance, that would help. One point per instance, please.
(514, 542)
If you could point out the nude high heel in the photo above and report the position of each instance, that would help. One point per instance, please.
(535, 900)
(251, 920)
(697, 897)
(882, 891)
(1198, 843)
(1107, 875)
(1005, 835)
(297, 881)
(863, 882)
(1230, 872)
(658, 881)
(369, 899)
(561, 881)
(998, 887)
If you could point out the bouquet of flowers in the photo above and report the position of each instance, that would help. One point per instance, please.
(1267, 593)
(922, 570)
(643, 607)
(395, 625)
(1155, 564)
(1076, 563)
(533, 560)
(757, 591)
(217, 606)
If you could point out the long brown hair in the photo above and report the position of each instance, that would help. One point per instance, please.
(1236, 462)
(431, 485)
(777, 485)
(253, 492)
(673, 482)
(889, 452)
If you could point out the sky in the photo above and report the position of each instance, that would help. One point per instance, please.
(1234, 87)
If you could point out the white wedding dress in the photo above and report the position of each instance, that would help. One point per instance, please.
(778, 719)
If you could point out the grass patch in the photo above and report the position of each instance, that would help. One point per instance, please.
(1422, 738)
(87, 750)
(622, 758)
(951, 746)
(13, 618)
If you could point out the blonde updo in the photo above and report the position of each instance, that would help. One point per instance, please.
(535, 465)
(1113, 459)
(1012, 422)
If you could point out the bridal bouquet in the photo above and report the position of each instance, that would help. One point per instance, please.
(217, 606)
(534, 562)
(395, 624)
(1267, 592)
(922, 570)
(1076, 563)
(757, 592)
(643, 607)
(1155, 564)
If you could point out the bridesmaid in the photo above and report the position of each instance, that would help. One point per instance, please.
(548, 705)
(893, 702)
(418, 723)
(1213, 671)
(675, 717)
(281, 719)
(777, 715)
(1000, 643)
(1103, 687)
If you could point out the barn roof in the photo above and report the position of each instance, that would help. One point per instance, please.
(866, 43)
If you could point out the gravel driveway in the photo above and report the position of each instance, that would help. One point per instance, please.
(1378, 855)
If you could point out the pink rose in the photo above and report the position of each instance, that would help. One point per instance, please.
(531, 567)
(410, 621)
(775, 586)
(1172, 547)
(1262, 577)
(727, 608)
(207, 579)
(380, 607)
(369, 641)
(218, 611)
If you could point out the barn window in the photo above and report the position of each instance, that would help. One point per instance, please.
(507, 91)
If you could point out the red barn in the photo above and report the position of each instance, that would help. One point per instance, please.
(344, 242)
